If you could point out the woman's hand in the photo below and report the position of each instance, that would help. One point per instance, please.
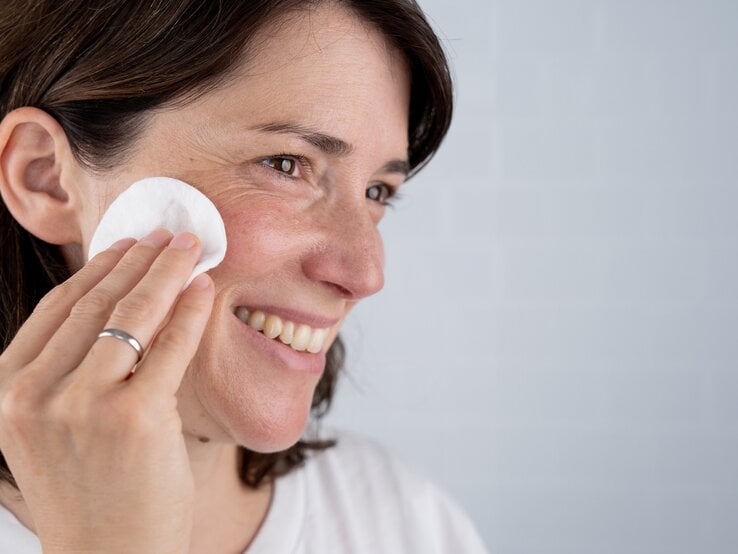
(99, 453)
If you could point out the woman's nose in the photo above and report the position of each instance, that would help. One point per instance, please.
(350, 255)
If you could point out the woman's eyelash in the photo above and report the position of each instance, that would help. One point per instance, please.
(391, 197)
(301, 161)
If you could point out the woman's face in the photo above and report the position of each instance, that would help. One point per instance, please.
(301, 211)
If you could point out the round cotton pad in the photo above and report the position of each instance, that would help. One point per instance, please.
(163, 202)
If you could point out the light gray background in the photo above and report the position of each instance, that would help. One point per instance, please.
(556, 343)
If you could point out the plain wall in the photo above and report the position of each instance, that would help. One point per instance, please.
(556, 344)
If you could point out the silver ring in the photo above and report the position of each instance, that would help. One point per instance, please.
(122, 335)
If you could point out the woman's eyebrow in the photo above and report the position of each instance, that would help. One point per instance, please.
(397, 166)
(328, 144)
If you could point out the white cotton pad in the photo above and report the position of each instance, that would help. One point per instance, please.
(163, 202)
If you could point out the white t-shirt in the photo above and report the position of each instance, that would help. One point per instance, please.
(354, 498)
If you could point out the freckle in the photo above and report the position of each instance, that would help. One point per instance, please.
(204, 439)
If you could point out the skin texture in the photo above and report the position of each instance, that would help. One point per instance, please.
(309, 243)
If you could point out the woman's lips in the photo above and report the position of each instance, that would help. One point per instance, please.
(281, 354)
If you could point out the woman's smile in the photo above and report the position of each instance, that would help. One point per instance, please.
(300, 332)
(279, 355)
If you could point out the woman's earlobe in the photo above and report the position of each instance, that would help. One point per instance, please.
(35, 167)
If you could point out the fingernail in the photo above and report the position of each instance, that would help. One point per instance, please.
(184, 241)
(158, 238)
(123, 244)
(202, 281)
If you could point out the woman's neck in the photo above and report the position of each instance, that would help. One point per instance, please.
(228, 513)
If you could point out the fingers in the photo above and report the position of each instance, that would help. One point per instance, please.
(55, 307)
(140, 312)
(175, 345)
(86, 318)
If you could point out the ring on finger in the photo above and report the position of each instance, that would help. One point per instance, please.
(125, 337)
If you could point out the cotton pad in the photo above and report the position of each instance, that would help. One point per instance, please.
(169, 203)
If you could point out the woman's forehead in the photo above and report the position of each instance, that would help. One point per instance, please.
(323, 34)
(323, 51)
(330, 72)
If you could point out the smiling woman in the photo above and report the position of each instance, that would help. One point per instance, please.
(300, 120)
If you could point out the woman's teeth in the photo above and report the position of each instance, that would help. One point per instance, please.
(300, 337)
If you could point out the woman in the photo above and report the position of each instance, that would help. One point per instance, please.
(299, 120)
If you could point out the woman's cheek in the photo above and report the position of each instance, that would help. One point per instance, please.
(263, 234)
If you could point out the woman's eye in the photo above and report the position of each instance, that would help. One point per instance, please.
(283, 164)
(380, 193)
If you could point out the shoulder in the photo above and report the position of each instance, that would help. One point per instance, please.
(381, 500)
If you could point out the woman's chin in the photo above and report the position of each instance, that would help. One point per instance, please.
(263, 417)
(273, 431)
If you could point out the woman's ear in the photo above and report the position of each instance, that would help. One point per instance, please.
(39, 177)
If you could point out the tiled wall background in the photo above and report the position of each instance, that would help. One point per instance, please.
(557, 343)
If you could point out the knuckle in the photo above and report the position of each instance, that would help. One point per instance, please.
(192, 308)
(136, 307)
(171, 341)
(135, 263)
(60, 294)
(104, 258)
(70, 408)
(116, 414)
(18, 401)
(174, 262)
(76, 410)
(97, 303)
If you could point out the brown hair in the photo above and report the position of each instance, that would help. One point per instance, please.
(99, 66)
